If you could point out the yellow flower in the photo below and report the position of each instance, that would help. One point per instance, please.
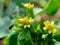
(50, 26)
(28, 5)
(26, 22)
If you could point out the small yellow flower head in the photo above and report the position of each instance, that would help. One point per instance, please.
(28, 5)
(26, 22)
(50, 26)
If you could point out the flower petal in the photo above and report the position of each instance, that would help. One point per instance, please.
(44, 28)
(52, 22)
(46, 23)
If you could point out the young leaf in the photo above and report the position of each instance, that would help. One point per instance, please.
(57, 24)
(11, 39)
(57, 36)
(25, 38)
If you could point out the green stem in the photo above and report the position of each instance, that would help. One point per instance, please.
(29, 13)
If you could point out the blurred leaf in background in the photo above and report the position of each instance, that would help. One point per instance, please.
(5, 18)
(51, 7)
(19, 2)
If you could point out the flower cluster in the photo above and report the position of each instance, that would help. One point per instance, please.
(26, 22)
(49, 26)
(28, 5)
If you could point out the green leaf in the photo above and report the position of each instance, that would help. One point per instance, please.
(2, 31)
(57, 43)
(57, 36)
(25, 38)
(57, 24)
(38, 29)
(11, 39)
(10, 10)
(6, 19)
(51, 42)
(52, 7)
